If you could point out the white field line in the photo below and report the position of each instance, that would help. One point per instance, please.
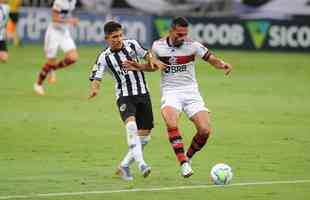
(63, 194)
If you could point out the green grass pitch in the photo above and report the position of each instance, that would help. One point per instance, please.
(64, 143)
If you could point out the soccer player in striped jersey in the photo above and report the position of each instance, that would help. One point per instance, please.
(58, 36)
(179, 88)
(4, 16)
(132, 93)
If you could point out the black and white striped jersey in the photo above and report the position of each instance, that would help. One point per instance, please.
(127, 83)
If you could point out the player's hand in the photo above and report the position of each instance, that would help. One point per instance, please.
(227, 68)
(131, 65)
(157, 64)
(92, 94)
(94, 89)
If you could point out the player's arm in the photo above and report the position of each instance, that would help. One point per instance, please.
(56, 17)
(94, 88)
(218, 63)
(203, 52)
(152, 64)
(96, 76)
(135, 66)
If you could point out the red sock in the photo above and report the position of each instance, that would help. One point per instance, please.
(199, 140)
(177, 144)
(43, 73)
(64, 63)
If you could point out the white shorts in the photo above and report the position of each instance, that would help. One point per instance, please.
(57, 38)
(190, 102)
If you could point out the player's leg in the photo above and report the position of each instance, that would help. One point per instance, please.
(202, 123)
(71, 55)
(45, 70)
(200, 116)
(51, 43)
(4, 56)
(171, 116)
(144, 119)
(145, 137)
(170, 110)
(127, 110)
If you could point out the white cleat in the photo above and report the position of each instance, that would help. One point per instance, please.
(186, 170)
(145, 170)
(124, 173)
(38, 89)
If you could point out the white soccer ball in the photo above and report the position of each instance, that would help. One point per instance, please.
(221, 174)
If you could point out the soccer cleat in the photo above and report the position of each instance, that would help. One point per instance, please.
(186, 170)
(38, 89)
(124, 173)
(145, 170)
(51, 77)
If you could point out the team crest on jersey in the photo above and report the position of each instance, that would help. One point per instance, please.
(173, 60)
(123, 107)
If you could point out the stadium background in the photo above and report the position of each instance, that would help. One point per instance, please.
(63, 146)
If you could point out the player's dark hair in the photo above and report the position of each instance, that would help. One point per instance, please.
(179, 21)
(111, 27)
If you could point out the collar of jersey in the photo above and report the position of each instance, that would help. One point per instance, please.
(118, 50)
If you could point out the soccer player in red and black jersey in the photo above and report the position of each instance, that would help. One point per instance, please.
(179, 88)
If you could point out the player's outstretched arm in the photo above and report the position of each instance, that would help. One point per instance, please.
(219, 64)
(94, 88)
(134, 66)
(152, 64)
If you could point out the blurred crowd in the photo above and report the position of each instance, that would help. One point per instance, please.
(241, 8)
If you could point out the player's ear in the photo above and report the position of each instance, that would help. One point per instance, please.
(106, 37)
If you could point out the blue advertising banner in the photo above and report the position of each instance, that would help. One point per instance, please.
(231, 33)
(33, 24)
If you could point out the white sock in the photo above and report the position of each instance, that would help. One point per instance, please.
(129, 159)
(144, 139)
(135, 147)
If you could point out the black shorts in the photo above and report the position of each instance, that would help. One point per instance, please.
(3, 46)
(138, 106)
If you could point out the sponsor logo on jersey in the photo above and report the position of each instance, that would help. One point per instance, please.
(123, 107)
(175, 69)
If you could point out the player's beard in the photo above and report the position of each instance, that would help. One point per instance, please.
(178, 43)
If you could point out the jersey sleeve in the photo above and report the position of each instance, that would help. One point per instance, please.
(201, 50)
(4, 15)
(141, 51)
(99, 69)
(154, 49)
(57, 5)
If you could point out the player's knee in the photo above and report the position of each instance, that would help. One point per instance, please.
(4, 57)
(206, 131)
(73, 57)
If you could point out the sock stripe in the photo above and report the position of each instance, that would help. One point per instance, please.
(198, 142)
(43, 73)
(179, 150)
(177, 144)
